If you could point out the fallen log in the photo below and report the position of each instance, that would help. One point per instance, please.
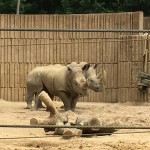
(68, 119)
(54, 118)
(68, 133)
(48, 121)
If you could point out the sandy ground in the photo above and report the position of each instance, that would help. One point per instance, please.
(33, 139)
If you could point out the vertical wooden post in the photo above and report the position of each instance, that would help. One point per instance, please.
(18, 7)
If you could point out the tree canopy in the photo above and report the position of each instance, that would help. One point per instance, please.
(74, 6)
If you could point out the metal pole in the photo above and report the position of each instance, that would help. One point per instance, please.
(18, 6)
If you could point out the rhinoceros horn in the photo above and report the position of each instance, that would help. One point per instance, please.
(95, 66)
(102, 77)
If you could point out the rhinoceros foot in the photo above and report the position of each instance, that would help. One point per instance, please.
(63, 107)
(66, 109)
(41, 106)
(29, 106)
(73, 109)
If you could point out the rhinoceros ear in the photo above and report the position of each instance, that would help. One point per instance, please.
(95, 66)
(85, 67)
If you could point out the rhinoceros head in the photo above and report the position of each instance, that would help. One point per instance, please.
(95, 82)
(77, 78)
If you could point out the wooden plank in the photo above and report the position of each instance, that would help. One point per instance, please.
(11, 24)
(27, 50)
(50, 25)
(54, 26)
(2, 50)
(107, 25)
(16, 72)
(47, 51)
(51, 56)
(20, 50)
(76, 56)
(44, 25)
(2, 25)
(61, 19)
(22, 25)
(146, 23)
(33, 50)
(17, 24)
(42, 51)
(38, 50)
(66, 51)
(15, 50)
(2, 93)
(20, 94)
(38, 24)
(16, 94)
(8, 50)
(6, 26)
(21, 75)
(54, 54)
(137, 20)
(2, 77)
(58, 52)
(12, 51)
(9, 94)
(12, 68)
(6, 79)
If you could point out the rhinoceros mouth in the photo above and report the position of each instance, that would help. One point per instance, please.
(83, 93)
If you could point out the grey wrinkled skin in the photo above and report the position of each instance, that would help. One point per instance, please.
(65, 82)
(94, 82)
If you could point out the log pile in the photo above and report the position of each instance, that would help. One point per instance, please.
(67, 118)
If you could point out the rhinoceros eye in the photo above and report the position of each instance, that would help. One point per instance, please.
(76, 83)
(91, 80)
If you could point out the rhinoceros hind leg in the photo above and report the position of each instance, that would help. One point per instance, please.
(40, 105)
(35, 107)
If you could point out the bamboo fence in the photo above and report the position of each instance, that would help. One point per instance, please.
(119, 53)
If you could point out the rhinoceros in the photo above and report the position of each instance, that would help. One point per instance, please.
(65, 82)
(94, 82)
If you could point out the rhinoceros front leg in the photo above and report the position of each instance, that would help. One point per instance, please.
(74, 102)
(37, 102)
(28, 99)
(65, 99)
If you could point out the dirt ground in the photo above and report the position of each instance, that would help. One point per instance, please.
(32, 139)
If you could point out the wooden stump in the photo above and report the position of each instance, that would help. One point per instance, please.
(44, 97)
(48, 121)
(55, 117)
(68, 133)
(68, 119)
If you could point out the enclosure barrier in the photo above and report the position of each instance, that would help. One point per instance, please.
(114, 41)
(75, 30)
(75, 126)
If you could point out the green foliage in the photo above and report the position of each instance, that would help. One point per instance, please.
(8, 6)
(74, 6)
